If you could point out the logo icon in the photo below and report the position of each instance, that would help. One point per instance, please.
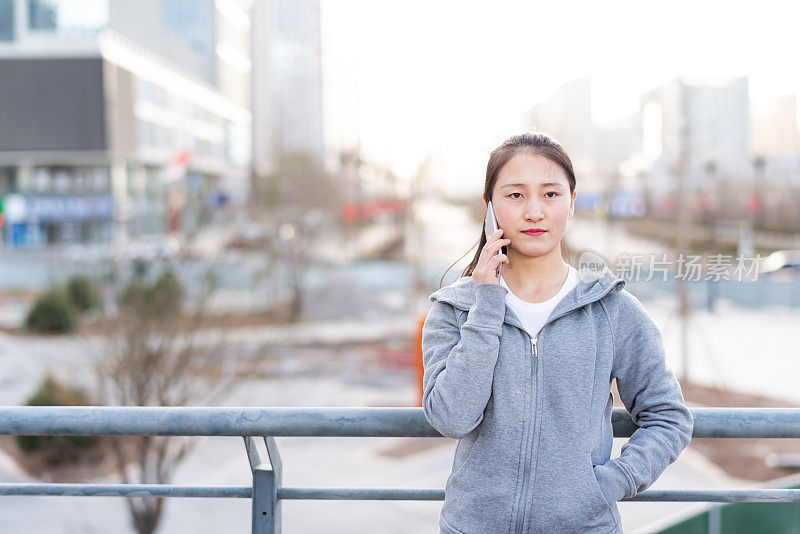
(591, 266)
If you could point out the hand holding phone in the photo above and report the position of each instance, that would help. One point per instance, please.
(493, 254)
(490, 226)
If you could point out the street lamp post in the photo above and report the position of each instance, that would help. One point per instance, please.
(711, 210)
(756, 199)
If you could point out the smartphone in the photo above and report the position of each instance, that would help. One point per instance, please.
(490, 226)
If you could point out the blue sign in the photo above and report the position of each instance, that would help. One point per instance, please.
(69, 207)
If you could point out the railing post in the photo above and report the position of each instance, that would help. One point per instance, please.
(265, 502)
(266, 481)
(714, 520)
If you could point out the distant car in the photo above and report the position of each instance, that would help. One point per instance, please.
(253, 236)
(781, 265)
(151, 248)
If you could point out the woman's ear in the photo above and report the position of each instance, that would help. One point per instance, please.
(572, 205)
(484, 200)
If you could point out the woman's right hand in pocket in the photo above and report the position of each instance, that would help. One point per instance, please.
(486, 270)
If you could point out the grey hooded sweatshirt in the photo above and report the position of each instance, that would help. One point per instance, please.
(534, 423)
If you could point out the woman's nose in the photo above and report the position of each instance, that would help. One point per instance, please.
(533, 211)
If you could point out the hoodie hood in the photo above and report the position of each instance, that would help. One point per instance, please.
(591, 287)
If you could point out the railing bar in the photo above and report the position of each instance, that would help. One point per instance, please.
(413, 494)
(362, 494)
(742, 495)
(330, 422)
(126, 490)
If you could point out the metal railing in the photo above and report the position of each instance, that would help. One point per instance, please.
(267, 491)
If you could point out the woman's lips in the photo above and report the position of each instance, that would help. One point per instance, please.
(541, 232)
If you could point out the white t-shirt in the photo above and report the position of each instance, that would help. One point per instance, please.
(533, 315)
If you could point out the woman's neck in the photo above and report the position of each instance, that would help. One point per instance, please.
(535, 279)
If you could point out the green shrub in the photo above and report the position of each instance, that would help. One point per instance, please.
(162, 298)
(52, 312)
(56, 449)
(82, 293)
(167, 294)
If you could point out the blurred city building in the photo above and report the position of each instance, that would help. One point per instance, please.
(122, 119)
(294, 92)
(596, 150)
(287, 83)
(738, 163)
(776, 152)
(775, 127)
(697, 126)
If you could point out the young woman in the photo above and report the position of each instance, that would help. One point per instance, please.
(518, 367)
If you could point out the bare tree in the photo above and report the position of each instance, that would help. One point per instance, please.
(159, 354)
(297, 198)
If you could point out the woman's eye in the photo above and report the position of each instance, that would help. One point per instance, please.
(512, 195)
(551, 193)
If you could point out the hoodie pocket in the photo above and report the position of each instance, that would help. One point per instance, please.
(600, 511)
(597, 487)
(567, 497)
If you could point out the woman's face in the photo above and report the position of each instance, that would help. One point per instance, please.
(532, 192)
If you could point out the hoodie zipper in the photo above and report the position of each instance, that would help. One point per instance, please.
(522, 510)
(529, 435)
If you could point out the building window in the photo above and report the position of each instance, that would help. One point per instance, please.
(192, 21)
(67, 16)
(101, 180)
(6, 20)
(238, 144)
(41, 180)
(8, 180)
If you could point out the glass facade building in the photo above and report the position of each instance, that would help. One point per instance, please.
(128, 120)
